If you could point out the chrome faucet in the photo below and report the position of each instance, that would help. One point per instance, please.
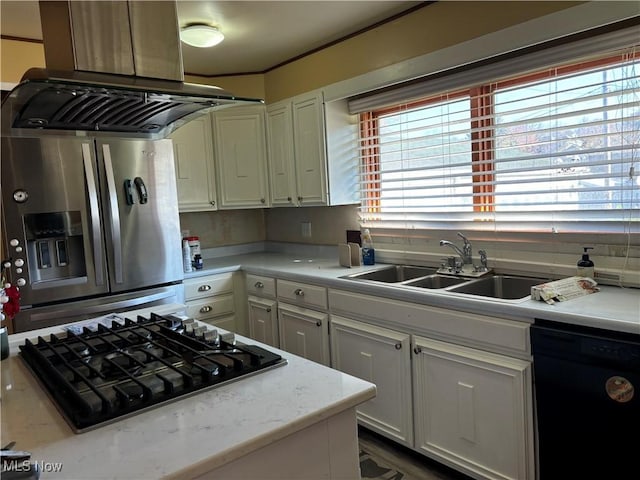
(466, 252)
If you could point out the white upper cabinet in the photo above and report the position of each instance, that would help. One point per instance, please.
(240, 152)
(309, 149)
(282, 173)
(312, 156)
(193, 155)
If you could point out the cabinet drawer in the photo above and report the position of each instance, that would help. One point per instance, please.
(303, 294)
(201, 287)
(211, 307)
(262, 286)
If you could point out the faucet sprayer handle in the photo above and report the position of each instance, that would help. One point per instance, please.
(483, 259)
(463, 238)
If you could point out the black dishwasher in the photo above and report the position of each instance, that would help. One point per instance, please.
(587, 394)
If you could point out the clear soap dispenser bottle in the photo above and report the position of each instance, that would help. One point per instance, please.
(586, 265)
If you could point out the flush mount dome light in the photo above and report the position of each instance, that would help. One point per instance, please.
(201, 36)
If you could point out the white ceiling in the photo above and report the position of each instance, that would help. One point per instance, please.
(258, 35)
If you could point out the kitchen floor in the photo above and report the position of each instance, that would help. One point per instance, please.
(383, 459)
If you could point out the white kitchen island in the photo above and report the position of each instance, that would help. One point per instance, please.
(296, 421)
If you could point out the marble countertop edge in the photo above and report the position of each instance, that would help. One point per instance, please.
(238, 451)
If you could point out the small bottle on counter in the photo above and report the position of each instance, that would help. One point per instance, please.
(368, 252)
(586, 265)
(197, 262)
(186, 256)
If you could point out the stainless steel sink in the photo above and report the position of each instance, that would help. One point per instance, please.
(393, 274)
(436, 281)
(499, 286)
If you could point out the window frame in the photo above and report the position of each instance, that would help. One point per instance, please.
(482, 101)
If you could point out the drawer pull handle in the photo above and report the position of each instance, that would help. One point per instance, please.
(206, 309)
(299, 292)
(204, 288)
(259, 285)
(398, 346)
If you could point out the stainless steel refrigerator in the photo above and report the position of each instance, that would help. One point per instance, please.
(92, 226)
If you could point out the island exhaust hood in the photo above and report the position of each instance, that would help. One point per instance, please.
(113, 68)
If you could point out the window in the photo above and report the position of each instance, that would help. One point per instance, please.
(554, 149)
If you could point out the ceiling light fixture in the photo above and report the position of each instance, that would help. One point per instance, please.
(201, 36)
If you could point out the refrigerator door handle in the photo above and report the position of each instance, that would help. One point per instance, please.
(143, 195)
(114, 213)
(94, 213)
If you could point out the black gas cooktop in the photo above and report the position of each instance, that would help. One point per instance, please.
(96, 376)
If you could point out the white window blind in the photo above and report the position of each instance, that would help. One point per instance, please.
(553, 149)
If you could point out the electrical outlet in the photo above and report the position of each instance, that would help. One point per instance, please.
(305, 229)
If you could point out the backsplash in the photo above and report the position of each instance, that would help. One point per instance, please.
(328, 224)
(554, 255)
(225, 227)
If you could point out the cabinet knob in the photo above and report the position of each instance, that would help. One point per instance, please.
(289, 199)
(262, 200)
(398, 346)
(417, 350)
(204, 288)
(299, 292)
(206, 309)
(258, 285)
(212, 202)
(268, 309)
(319, 323)
(299, 199)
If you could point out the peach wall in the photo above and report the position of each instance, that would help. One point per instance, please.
(240, 85)
(431, 28)
(17, 57)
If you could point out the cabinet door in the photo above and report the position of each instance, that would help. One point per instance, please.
(309, 149)
(239, 135)
(193, 156)
(380, 356)
(282, 172)
(473, 410)
(263, 321)
(304, 332)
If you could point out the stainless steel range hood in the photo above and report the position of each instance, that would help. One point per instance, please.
(113, 68)
(59, 101)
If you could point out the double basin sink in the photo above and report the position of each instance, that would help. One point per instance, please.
(507, 287)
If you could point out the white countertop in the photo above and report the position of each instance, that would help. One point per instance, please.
(181, 439)
(612, 308)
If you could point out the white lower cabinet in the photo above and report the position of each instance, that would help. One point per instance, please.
(210, 299)
(472, 410)
(263, 320)
(304, 332)
(383, 357)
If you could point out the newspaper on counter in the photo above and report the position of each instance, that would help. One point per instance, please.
(563, 290)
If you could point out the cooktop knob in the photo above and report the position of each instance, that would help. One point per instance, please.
(229, 338)
(211, 336)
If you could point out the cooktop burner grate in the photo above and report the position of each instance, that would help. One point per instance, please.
(97, 376)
